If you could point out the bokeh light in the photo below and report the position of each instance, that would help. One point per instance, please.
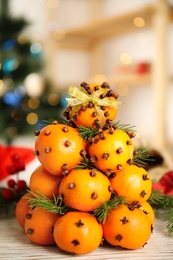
(139, 22)
(32, 118)
(59, 35)
(52, 3)
(126, 58)
(53, 99)
(23, 38)
(33, 103)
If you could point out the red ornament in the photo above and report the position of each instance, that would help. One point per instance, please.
(21, 185)
(9, 155)
(11, 183)
(8, 194)
(165, 184)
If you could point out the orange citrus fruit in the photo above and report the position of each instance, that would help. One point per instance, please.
(59, 148)
(111, 150)
(78, 232)
(127, 228)
(22, 209)
(39, 225)
(90, 113)
(133, 182)
(85, 189)
(44, 182)
(148, 210)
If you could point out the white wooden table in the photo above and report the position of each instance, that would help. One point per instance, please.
(16, 246)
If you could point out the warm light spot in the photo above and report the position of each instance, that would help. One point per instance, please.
(16, 116)
(0, 65)
(32, 118)
(22, 38)
(126, 58)
(139, 22)
(34, 85)
(122, 90)
(98, 79)
(52, 3)
(59, 35)
(53, 99)
(33, 103)
(11, 131)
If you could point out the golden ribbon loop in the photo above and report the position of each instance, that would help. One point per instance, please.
(80, 96)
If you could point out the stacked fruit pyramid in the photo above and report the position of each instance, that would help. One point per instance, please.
(88, 188)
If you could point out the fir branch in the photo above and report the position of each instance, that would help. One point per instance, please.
(85, 164)
(101, 212)
(158, 200)
(169, 220)
(59, 120)
(124, 127)
(87, 132)
(55, 205)
(142, 156)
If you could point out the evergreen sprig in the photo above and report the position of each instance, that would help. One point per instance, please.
(87, 132)
(142, 156)
(101, 212)
(85, 164)
(55, 205)
(158, 200)
(124, 127)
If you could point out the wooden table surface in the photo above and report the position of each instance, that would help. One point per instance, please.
(16, 246)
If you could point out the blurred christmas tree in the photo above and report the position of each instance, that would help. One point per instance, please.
(24, 95)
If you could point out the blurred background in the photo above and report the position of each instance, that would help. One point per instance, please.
(48, 45)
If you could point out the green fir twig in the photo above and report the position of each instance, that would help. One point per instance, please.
(87, 132)
(158, 200)
(55, 205)
(142, 156)
(101, 212)
(124, 127)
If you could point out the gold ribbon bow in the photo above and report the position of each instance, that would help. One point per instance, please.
(81, 97)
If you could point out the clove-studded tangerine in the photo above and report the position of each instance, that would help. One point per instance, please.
(111, 150)
(78, 232)
(92, 105)
(59, 148)
(39, 225)
(132, 182)
(44, 182)
(127, 228)
(85, 189)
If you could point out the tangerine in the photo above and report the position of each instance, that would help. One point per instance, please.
(78, 232)
(92, 114)
(148, 210)
(132, 182)
(111, 150)
(39, 225)
(22, 209)
(127, 228)
(59, 148)
(85, 189)
(44, 182)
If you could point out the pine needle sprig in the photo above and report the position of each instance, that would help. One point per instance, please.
(169, 220)
(55, 205)
(101, 212)
(142, 156)
(158, 200)
(85, 164)
(124, 127)
(87, 132)
(60, 120)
